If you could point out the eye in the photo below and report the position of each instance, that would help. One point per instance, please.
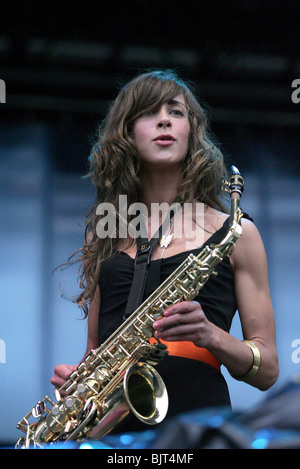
(177, 112)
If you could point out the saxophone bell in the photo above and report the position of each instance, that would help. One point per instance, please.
(143, 393)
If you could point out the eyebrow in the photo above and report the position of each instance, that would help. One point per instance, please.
(175, 101)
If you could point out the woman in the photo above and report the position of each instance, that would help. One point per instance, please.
(154, 147)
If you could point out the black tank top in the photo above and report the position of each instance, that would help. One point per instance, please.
(191, 384)
(217, 297)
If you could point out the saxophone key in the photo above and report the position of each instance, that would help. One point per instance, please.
(73, 376)
(118, 357)
(147, 332)
(56, 419)
(88, 387)
(184, 290)
(70, 426)
(141, 321)
(132, 344)
(81, 389)
(112, 361)
(102, 375)
(108, 357)
(81, 367)
(191, 275)
(38, 409)
(122, 349)
(71, 387)
(41, 435)
(137, 329)
(72, 404)
(151, 318)
(186, 283)
(57, 395)
(55, 410)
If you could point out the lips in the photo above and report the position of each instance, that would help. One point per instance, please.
(164, 139)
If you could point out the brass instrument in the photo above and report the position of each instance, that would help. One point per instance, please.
(119, 376)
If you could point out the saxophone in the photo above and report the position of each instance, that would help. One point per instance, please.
(119, 376)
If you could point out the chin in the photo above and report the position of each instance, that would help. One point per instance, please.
(167, 162)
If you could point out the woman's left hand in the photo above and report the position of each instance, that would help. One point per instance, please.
(185, 321)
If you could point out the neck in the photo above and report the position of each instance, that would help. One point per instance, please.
(160, 186)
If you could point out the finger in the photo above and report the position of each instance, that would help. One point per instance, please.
(177, 328)
(183, 330)
(193, 317)
(64, 371)
(61, 375)
(57, 381)
(183, 307)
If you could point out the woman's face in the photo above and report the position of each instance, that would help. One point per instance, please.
(162, 136)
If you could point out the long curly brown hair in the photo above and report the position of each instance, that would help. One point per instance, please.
(115, 164)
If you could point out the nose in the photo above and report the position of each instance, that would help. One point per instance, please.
(163, 119)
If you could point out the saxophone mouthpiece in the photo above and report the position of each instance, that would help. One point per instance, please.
(234, 170)
(236, 183)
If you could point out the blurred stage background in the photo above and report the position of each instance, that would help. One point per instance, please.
(62, 64)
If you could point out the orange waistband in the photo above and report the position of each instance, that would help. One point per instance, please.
(189, 350)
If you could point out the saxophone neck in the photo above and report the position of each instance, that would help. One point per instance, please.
(236, 213)
(234, 187)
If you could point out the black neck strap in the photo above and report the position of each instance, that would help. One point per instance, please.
(142, 267)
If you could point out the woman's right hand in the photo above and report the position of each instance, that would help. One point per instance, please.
(61, 374)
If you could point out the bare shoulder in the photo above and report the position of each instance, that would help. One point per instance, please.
(250, 233)
(249, 251)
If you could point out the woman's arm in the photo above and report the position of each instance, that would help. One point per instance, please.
(254, 303)
(189, 322)
(93, 318)
(63, 371)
